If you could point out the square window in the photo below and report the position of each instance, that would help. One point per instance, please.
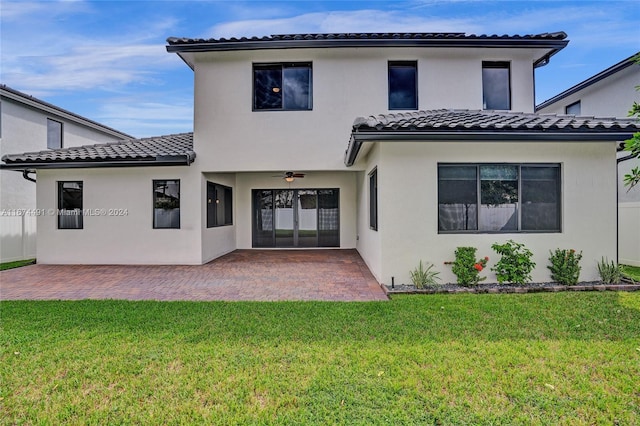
(403, 85)
(70, 205)
(496, 85)
(282, 86)
(573, 109)
(166, 204)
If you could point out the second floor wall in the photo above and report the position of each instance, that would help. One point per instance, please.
(232, 134)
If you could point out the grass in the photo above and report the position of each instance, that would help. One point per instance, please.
(544, 358)
(16, 264)
(631, 272)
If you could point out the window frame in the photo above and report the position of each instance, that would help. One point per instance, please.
(402, 64)
(61, 207)
(227, 204)
(574, 104)
(519, 203)
(282, 66)
(59, 132)
(498, 65)
(153, 199)
(373, 199)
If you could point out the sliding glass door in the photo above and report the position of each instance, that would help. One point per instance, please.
(296, 218)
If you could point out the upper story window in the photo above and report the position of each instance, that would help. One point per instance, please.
(70, 205)
(403, 85)
(499, 197)
(573, 109)
(166, 203)
(496, 85)
(54, 134)
(285, 86)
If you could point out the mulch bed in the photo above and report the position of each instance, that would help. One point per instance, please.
(509, 288)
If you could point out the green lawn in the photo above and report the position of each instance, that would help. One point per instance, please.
(545, 358)
(16, 264)
(631, 272)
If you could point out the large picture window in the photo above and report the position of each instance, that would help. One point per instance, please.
(166, 204)
(496, 85)
(282, 86)
(403, 85)
(70, 205)
(499, 197)
(219, 205)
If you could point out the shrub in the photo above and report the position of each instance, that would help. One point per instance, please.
(565, 266)
(515, 265)
(610, 273)
(421, 277)
(466, 267)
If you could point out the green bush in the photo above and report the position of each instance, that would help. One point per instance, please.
(515, 264)
(610, 273)
(421, 277)
(467, 268)
(565, 266)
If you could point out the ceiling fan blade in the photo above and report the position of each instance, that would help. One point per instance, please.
(298, 175)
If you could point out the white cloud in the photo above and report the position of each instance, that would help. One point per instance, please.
(147, 118)
(344, 21)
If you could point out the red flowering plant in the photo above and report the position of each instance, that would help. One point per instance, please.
(466, 267)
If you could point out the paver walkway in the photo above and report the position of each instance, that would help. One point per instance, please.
(339, 275)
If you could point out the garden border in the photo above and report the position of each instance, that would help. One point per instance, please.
(506, 288)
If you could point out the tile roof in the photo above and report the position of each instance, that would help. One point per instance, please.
(175, 41)
(448, 124)
(486, 120)
(162, 150)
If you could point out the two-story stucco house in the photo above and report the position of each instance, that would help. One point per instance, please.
(403, 146)
(29, 124)
(610, 93)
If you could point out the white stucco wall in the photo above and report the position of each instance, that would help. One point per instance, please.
(408, 212)
(24, 129)
(219, 240)
(347, 83)
(127, 238)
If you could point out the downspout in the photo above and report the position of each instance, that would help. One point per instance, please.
(25, 174)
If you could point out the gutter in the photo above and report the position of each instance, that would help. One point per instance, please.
(169, 160)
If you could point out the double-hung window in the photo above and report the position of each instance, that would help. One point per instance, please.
(166, 204)
(219, 205)
(499, 198)
(70, 205)
(284, 86)
(403, 85)
(496, 85)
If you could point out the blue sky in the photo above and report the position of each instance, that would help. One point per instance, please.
(106, 60)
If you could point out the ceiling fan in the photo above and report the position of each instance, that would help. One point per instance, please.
(290, 176)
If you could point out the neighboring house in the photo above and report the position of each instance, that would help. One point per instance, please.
(29, 124)
(287, 158)
(610, 93)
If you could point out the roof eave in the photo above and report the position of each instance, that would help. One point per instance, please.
(205, 46)
(359, 137)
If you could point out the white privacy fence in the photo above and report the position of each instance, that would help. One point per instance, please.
(629, 233)
(17, 237)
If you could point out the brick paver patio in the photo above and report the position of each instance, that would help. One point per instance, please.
(265, 275)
